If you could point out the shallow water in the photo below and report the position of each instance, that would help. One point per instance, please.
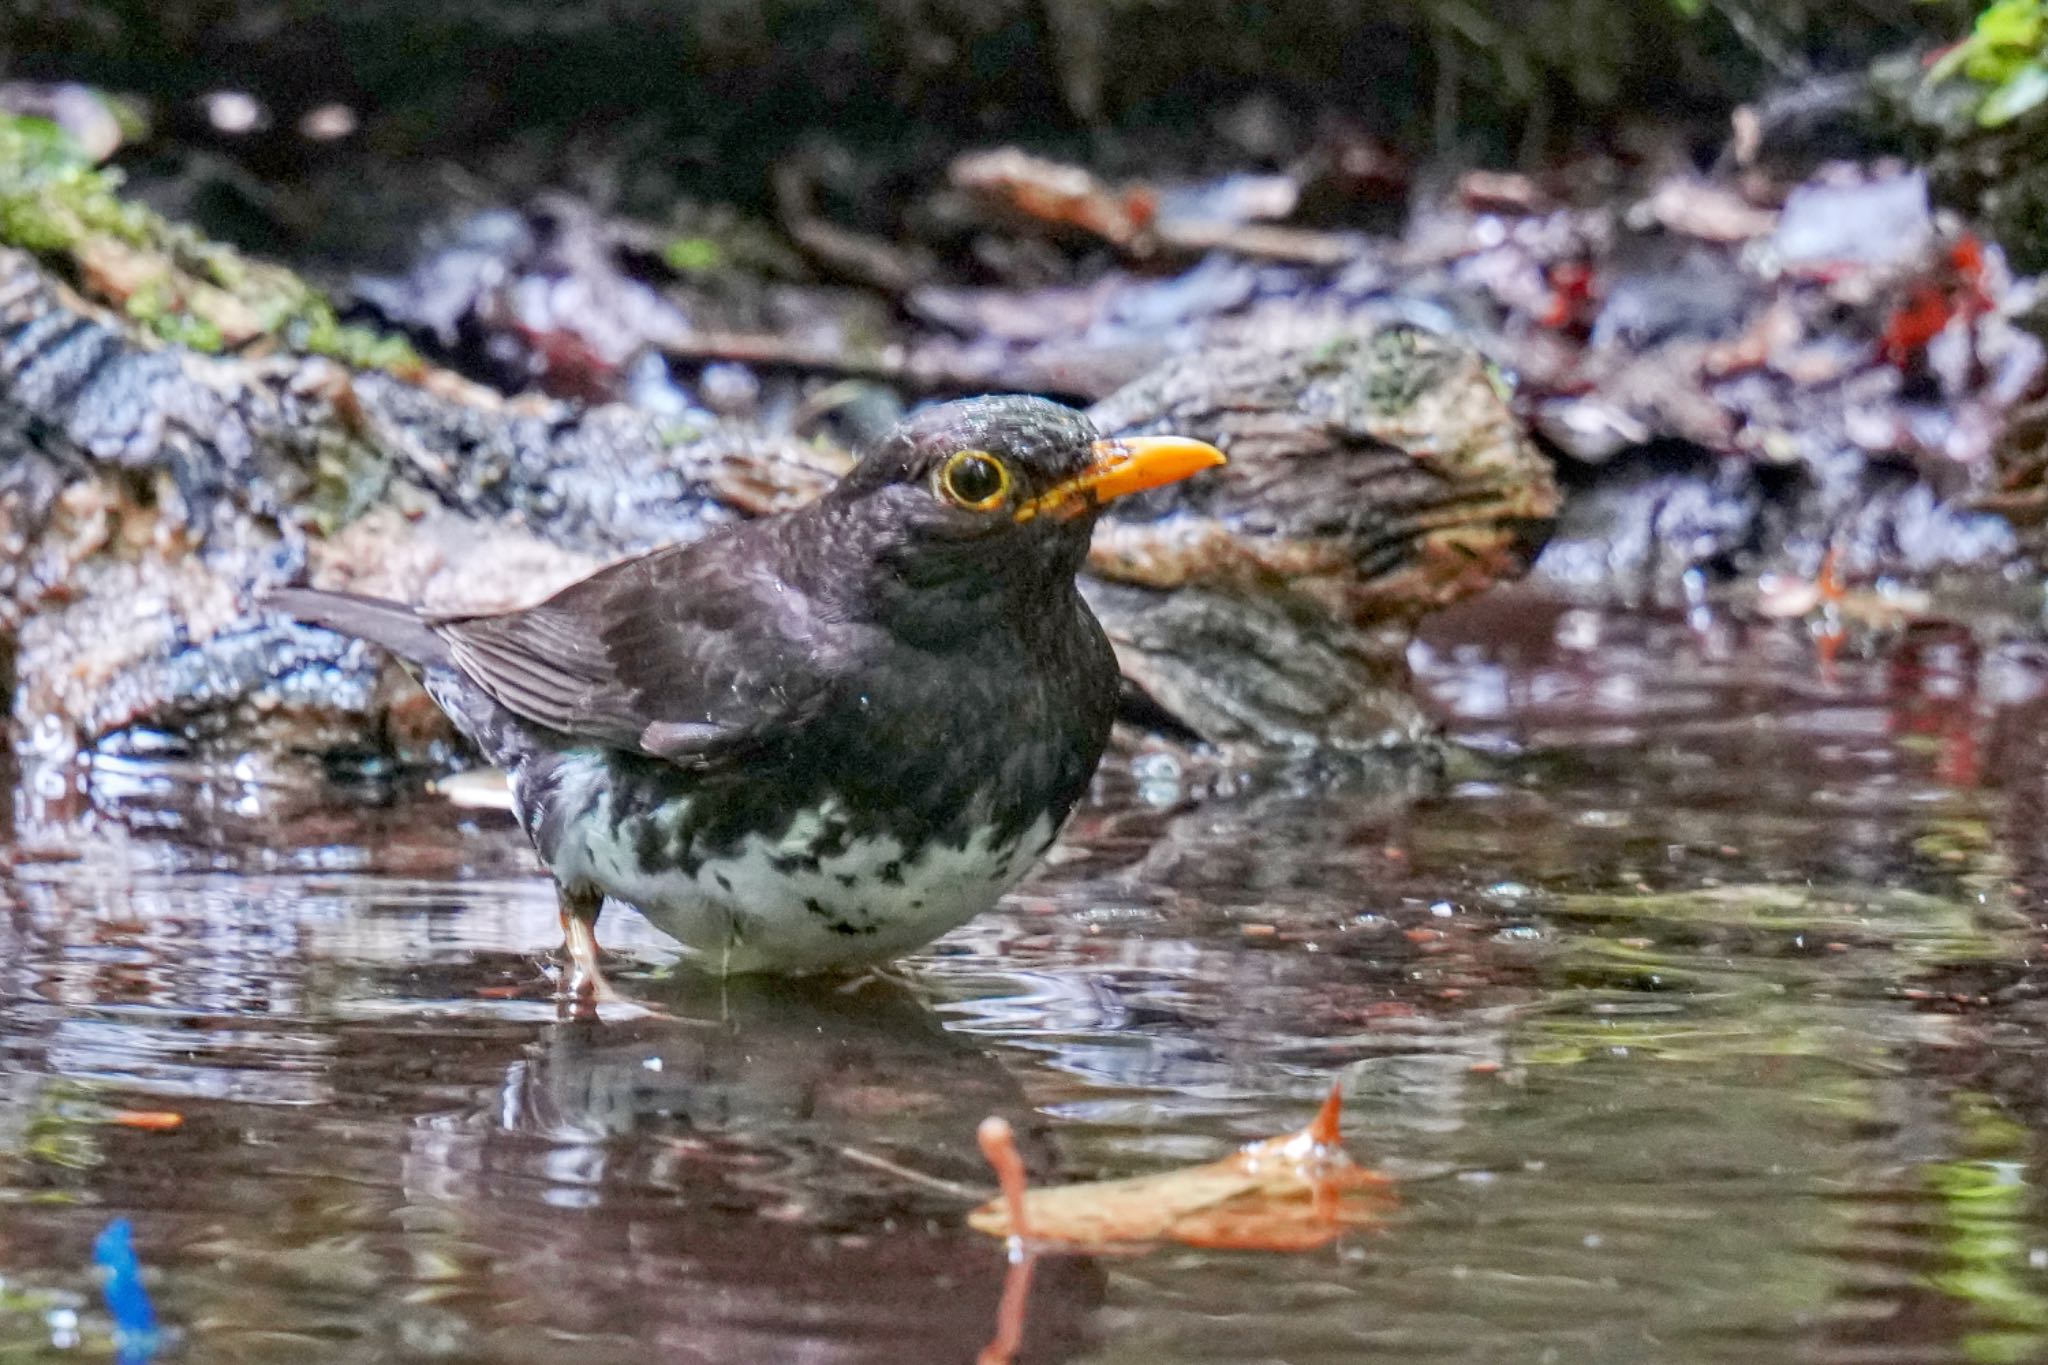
(1692, 1012)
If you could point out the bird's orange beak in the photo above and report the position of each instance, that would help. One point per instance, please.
(1130, 464)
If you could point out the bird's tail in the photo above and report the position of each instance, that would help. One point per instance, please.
(393, 625)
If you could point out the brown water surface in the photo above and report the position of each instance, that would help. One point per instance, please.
(1694, 1013)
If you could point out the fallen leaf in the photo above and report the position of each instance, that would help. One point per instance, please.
(1056, 194)
(1289, 1193)
(151, 1120)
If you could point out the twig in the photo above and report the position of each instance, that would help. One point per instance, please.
(999, 1144)
(915, 1177)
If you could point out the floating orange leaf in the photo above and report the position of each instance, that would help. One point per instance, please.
(1287, 1193)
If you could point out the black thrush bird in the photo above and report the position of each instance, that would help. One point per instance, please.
(821, 739)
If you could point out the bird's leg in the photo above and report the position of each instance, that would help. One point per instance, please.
(584, 983)
(889, 975)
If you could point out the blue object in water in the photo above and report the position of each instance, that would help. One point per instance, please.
(135, 1333)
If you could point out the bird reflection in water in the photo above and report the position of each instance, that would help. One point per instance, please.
(761, 1159)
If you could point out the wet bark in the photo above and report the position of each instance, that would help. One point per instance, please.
(1372, 481)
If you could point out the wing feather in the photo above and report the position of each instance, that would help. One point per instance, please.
(679, 655)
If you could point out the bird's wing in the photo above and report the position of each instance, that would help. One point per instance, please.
(698, 659)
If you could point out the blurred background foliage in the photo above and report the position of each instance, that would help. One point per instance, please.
(728, 79)
(1981, 112)
(2005, 57)
(636, 105)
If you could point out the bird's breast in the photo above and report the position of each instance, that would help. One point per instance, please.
(821, 888)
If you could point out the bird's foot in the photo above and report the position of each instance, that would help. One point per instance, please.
(584, 987)
(891, 976)
(581, 985)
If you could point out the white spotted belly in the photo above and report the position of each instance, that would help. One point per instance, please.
(771, 906)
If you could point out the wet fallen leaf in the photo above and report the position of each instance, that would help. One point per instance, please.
(1710, 212)
(1501, 192)
(1060, 195)
(1288, 1193)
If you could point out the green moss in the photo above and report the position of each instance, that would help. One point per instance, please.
(51, 197)
(693, 255)
(1403, 366)
(681, 431)
(349, 477)
(171, 280)
(319, 332)
(710, 243)
(155, 308)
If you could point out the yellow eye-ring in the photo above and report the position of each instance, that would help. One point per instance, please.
(974, 479)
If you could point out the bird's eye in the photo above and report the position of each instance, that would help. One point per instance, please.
(974, 479)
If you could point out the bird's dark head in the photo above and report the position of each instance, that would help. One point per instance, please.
(987, 494)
